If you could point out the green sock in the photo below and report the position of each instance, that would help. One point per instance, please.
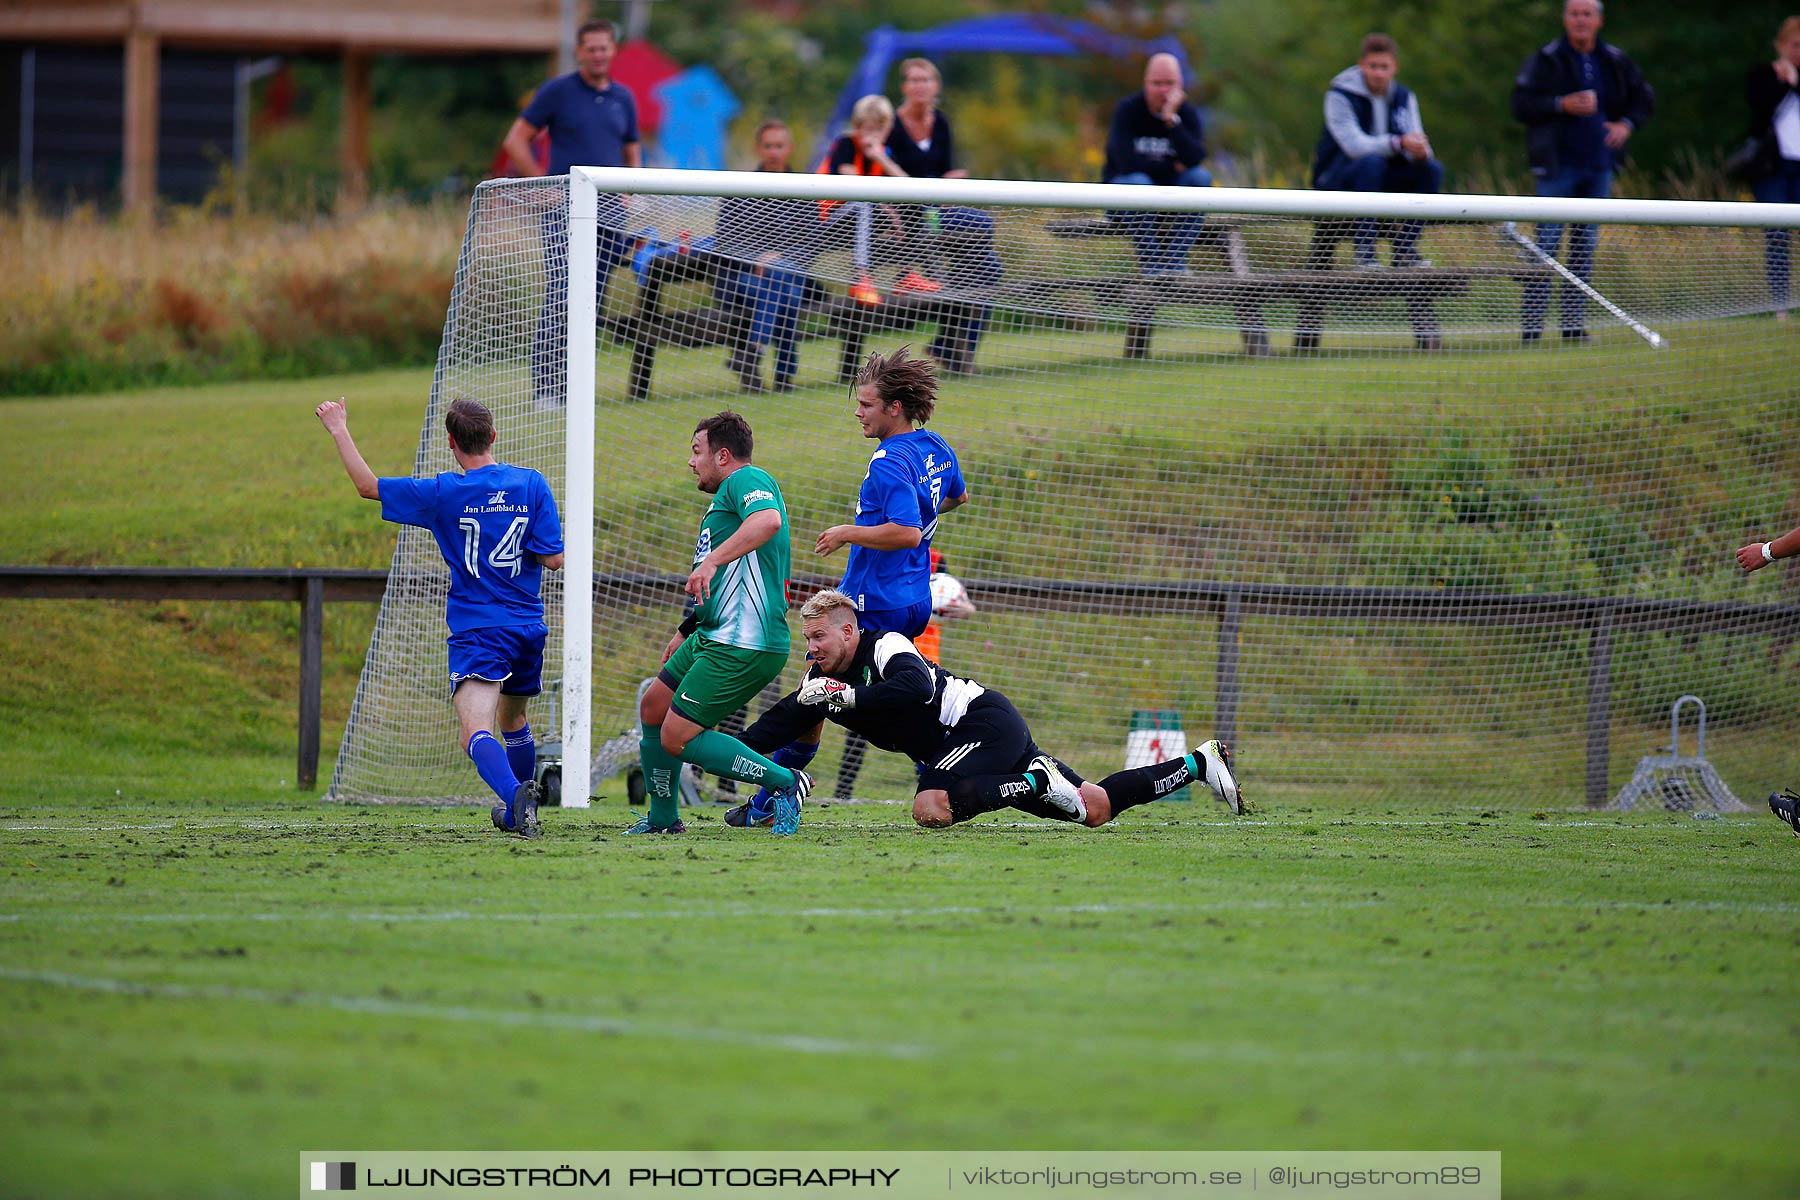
(660, 768)
(722, 754)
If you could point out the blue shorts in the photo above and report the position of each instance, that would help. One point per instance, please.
(908, 622)
(509, 655)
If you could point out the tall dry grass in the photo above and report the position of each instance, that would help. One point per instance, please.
(89, 300)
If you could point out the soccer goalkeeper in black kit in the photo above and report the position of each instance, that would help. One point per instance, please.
(974, 749)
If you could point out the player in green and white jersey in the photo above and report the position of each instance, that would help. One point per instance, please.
(734, 639)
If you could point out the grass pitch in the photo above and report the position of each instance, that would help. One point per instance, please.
(202, 973)
(192, 995)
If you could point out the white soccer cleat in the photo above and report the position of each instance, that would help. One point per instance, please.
(1217, 757)
(1063, 791)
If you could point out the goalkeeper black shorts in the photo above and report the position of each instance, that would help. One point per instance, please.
(991, 739)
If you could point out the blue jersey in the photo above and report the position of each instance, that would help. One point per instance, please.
(589, 126)
(910, 476)
(488, 524)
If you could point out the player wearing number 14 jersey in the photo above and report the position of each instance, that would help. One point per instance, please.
(497, 528)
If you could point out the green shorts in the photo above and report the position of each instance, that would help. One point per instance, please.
(712, 680)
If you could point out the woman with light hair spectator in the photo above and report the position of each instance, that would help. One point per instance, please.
(920, 140)
(922, 144)
(1773, 90)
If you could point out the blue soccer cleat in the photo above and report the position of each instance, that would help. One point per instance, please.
(788, 802)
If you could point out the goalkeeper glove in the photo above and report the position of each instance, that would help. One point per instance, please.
(834, 694)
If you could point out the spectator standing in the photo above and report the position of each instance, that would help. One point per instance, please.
(922, 143)
(592, 121)
(1580, 99)
(921, 140)
(1374, 141)
(1773, 90)
(777, 240)
(1156, 139)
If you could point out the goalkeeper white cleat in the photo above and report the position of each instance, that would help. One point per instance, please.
(1217, 757)
(1062, 791)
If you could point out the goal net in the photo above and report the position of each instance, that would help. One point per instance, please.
(1429, 500)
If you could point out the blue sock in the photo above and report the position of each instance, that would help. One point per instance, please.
(793, 756)
(521, 752)
(490, 760)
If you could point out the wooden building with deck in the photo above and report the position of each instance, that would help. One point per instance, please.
(141, 98)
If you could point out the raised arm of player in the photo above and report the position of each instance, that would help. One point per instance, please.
(336, 420)
(756, 530)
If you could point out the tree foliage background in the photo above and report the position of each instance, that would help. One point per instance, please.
(1262, 68)
(1272, 60)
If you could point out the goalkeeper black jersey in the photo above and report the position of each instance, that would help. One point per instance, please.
(904, 702)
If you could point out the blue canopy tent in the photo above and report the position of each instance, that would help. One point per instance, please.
(1006, 33)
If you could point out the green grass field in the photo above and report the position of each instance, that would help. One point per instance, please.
(192, 995)
(205, 971)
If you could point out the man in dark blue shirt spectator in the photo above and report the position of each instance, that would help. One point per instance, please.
(1155, 139)
(1580, 99)
(593, 122)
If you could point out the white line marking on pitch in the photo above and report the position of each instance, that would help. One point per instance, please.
(949, 910)
(960, 910)
(163, 826)
(376, 1006)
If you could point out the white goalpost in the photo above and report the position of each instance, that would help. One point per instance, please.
(578, 515)
(1467, 509)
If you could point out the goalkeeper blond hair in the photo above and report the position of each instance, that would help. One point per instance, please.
(826, 601)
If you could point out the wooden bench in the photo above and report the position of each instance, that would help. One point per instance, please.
(1317, 286)
(650, 326)
(1419, 296)
(853, 323)
(1222, 235)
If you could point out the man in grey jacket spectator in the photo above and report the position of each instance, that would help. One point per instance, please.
(1374, 141)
